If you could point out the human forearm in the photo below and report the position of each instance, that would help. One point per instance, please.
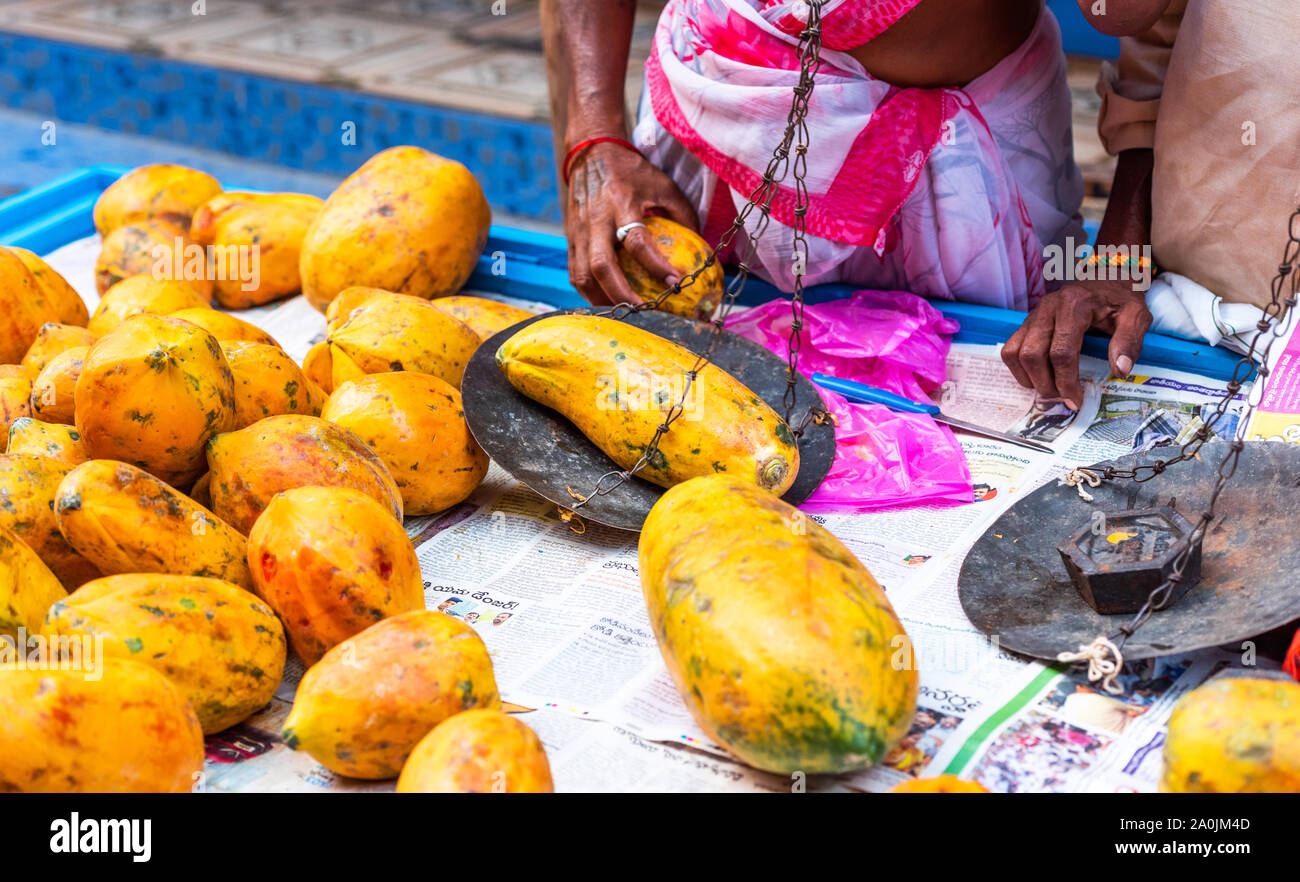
(1128, 212)
(586, 50)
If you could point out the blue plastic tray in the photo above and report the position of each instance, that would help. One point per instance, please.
(535, 267)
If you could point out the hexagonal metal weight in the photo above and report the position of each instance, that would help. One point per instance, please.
(1118, 559)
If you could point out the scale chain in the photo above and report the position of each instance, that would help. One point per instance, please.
(796, 138)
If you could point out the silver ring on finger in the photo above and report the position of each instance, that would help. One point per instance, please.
(621, 233)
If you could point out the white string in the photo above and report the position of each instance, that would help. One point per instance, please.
(1100, 667)
(1078, 477)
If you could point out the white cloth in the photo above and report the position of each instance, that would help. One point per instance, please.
(1181, 308)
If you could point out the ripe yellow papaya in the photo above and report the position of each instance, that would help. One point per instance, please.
(364, 706)
(331, 563)
(51, 440)
(52, 339)
(142, 294)
(478, 751)
(267, 382)
(318, 368)
(223, 647)
(406, 221)
(281, 452)
(686, 251)
(272, 223)
(616, 383)
(416, 424)
(779, 640)
(1235, 735)
(15, 396)
(154, 248)
(28, 488)
(27, 588)
(152, 392)
(124, 728)
(124, 520)
(68, 306)
(939, 784)
(346, 302)
(397, 332)
(24, 308)
(224, 326)
(484, 317)
(167, 192)
(53, 390)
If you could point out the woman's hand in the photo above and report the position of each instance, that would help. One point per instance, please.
(1044, 353)
(611, 186)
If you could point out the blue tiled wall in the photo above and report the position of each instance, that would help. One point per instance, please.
(296, 125)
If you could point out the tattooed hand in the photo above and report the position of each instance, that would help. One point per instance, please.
(612, 186)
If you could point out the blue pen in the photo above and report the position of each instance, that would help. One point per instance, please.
(865, 394)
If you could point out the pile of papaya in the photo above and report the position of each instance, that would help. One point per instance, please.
(183, 505)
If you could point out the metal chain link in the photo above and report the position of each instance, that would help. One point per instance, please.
(796, 140)
(1267, 333)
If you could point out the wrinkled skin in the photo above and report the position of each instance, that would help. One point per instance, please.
(687, 252)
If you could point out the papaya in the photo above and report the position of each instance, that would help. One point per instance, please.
(271, 225)
(124, 729)
(331, 563)
(267, 382)
(27, 589)
(478, 751)
(282, 452)
(163, 191)
(52, 339)
(155, 248)
(15, 396)
(67, 304)
(24, 308)
(53, 440)
(124, 520)
(397, 332)
(584, 366)
(139, 295)
(201, 491)
(221, 646)
(939, 784)
(347, 302)
(317, 366)
(686, 251)
(224, 326)
(416, 424)
(1235, 735)
(152, 392)
(53, 390)
(484, 317)
(778, 638)
(364, 706)
(28, 488)
(406, 221)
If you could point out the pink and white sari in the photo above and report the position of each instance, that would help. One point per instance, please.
(949, 193)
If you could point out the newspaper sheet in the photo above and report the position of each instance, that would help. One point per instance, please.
(564, 620)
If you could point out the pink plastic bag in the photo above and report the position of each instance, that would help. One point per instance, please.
(895, 341)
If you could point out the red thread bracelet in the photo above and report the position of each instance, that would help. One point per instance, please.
(583, 145)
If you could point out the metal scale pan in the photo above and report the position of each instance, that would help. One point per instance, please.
(1014, 586)
(547, 452)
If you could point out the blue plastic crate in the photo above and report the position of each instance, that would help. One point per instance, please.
(536, 268)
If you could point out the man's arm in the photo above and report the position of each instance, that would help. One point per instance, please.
(1044, 352)
(610, 186)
